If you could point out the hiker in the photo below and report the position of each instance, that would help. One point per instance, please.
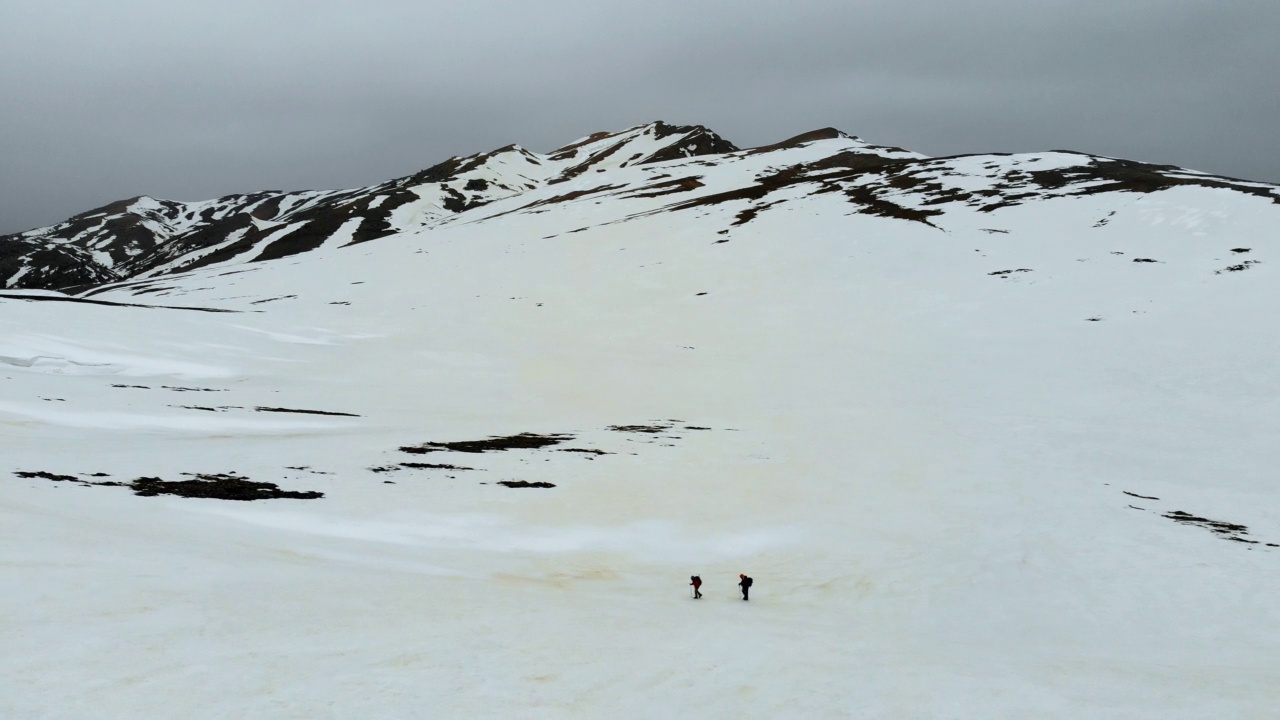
(745, 583)
(696, 582)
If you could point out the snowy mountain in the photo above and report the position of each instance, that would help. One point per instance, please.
(994, 434)
(145, 238)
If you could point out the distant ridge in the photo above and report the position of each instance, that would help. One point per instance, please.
(145, 237)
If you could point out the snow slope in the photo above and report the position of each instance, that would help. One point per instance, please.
(948, 440)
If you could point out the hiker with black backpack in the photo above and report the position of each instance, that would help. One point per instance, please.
(696, 582)
(745, 583)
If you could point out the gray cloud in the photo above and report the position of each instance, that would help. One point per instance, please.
(190, 100)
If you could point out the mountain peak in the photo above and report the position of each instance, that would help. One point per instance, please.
(826, 133)
(677, 141)
(693, 140)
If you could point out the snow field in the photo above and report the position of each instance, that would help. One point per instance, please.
(923, 465)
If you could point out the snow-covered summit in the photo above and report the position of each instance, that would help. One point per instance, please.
(688, 166)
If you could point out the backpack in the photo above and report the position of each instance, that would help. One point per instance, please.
(746, 582)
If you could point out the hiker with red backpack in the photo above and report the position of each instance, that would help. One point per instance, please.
(745, 583)
(696, 582)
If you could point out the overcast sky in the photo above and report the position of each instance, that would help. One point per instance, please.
(192, 99)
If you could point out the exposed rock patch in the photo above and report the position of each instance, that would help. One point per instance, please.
(222, 486)
(219, 486)
(1229, 531)
(304, 412)
(433, 466)
(1238, 268)
(44, 475)
(523, 441)
(640, 428)
(1144, 497)
(525, 484)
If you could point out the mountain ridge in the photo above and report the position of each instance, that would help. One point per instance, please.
(145, 237)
